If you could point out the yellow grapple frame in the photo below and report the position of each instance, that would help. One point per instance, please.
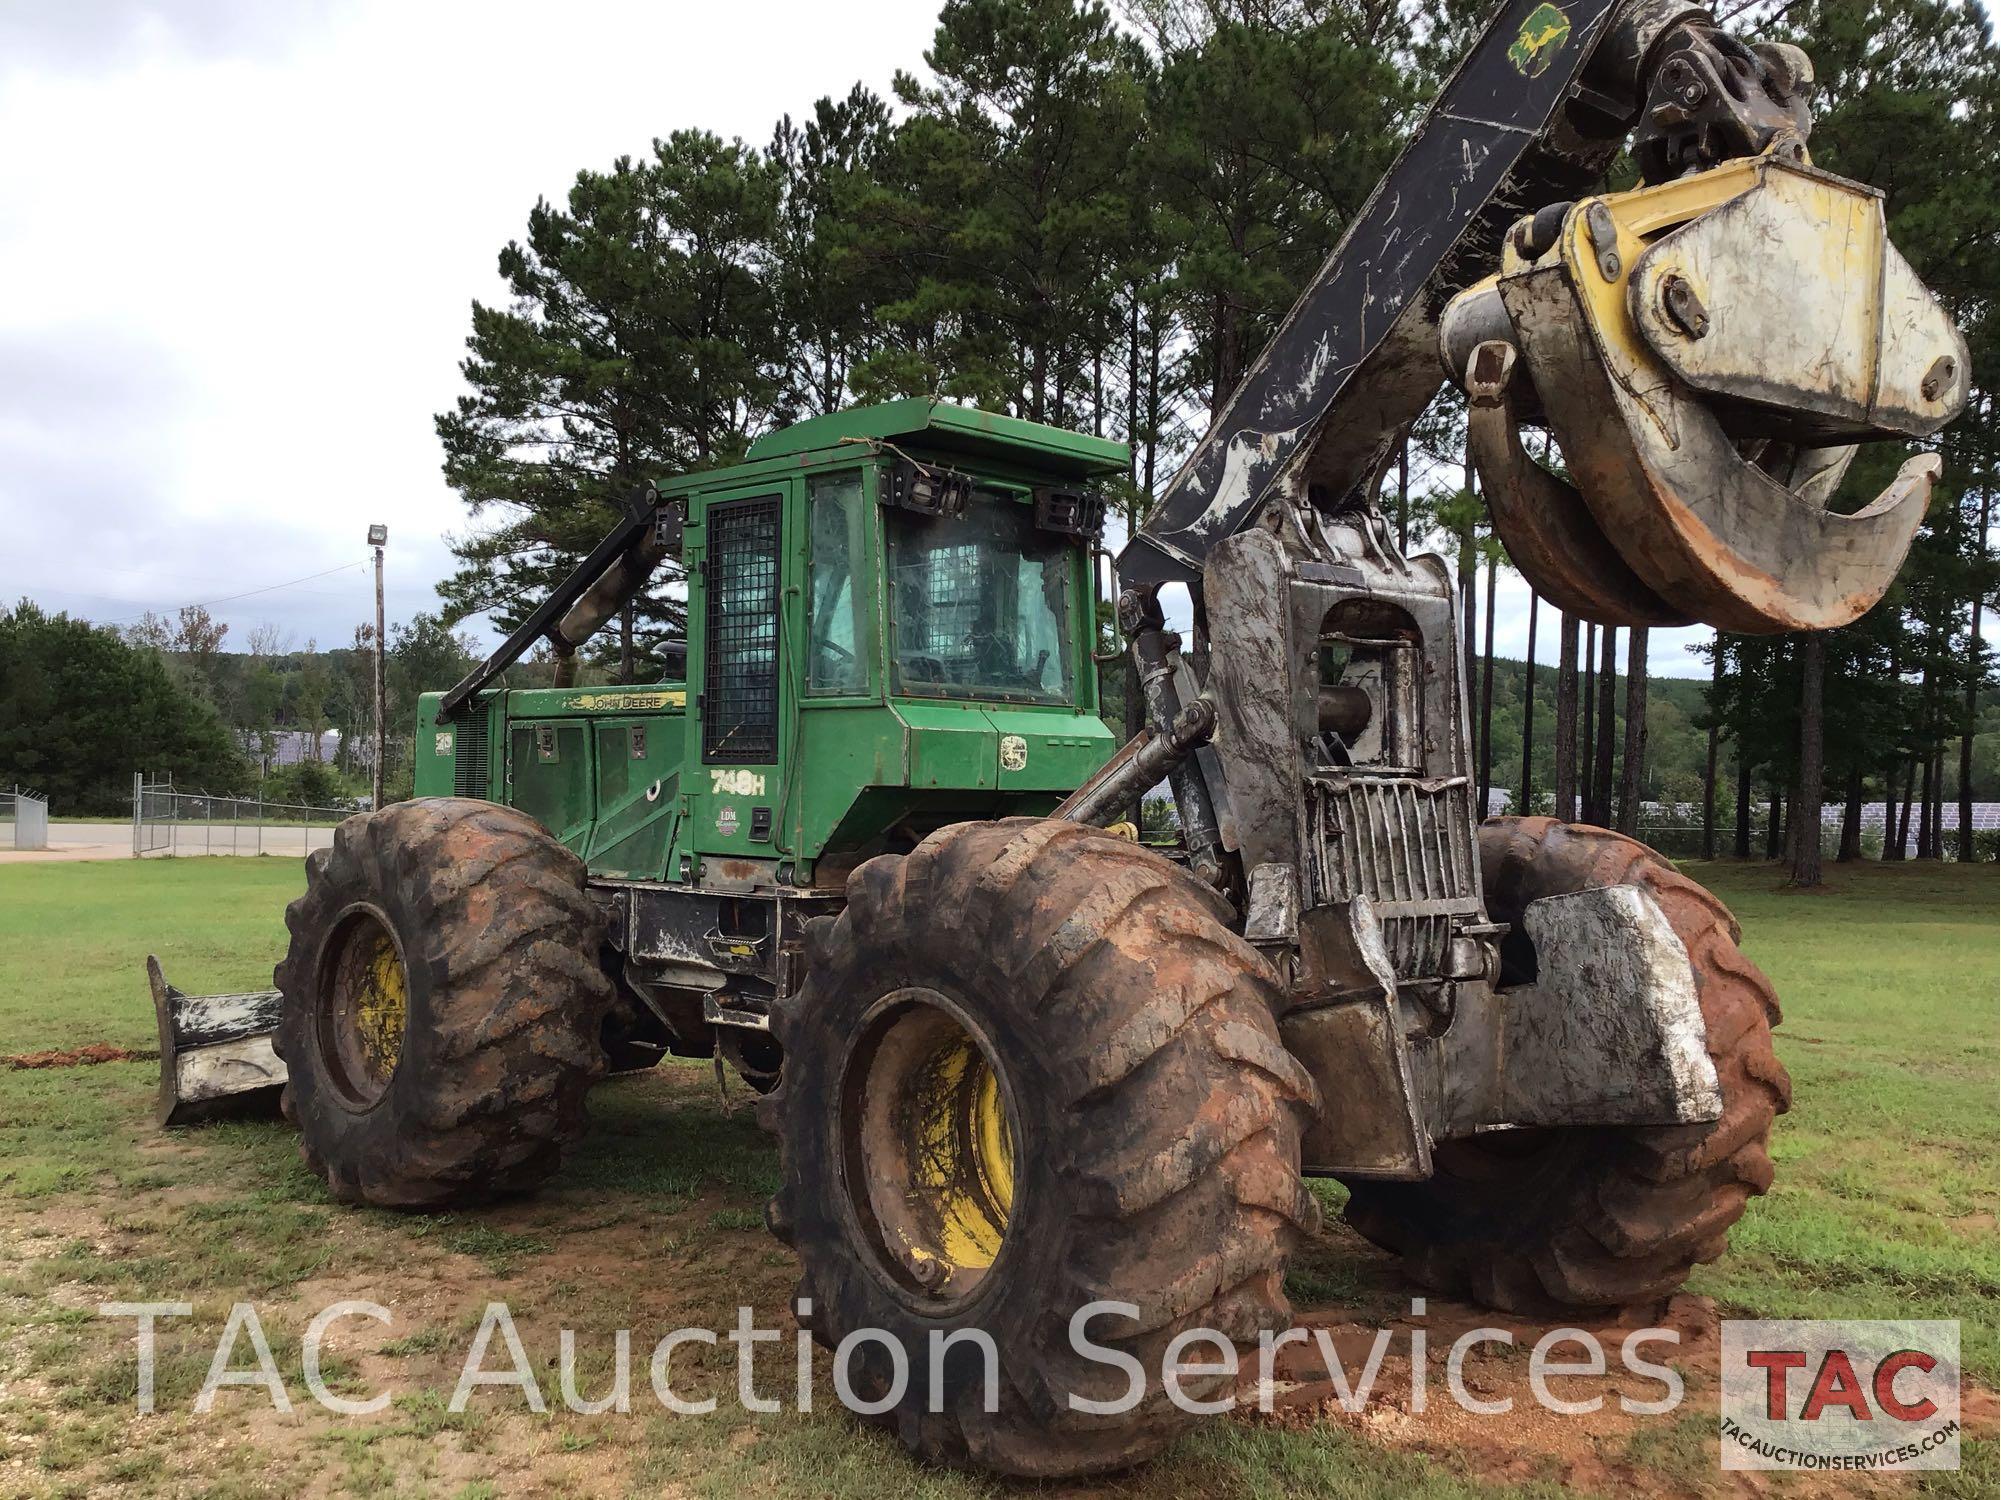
(1705, 354)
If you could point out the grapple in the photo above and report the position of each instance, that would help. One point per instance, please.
(1705, 355)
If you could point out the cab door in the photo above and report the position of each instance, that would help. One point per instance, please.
(739, 661)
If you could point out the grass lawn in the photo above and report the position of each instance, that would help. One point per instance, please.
(1885, 1206)
(74, 939)
(1885, 1198)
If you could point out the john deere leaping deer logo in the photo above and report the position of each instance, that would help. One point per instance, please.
(1542, 36)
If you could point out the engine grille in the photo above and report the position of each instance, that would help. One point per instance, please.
(470, 762)
(1408, 846)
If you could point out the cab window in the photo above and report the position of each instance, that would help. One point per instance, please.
(982, 605)
(835, 518)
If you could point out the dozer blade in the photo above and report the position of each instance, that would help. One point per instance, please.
(216, 1058)
(1706, 354)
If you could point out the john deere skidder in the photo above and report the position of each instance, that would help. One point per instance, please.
(1018, 1064)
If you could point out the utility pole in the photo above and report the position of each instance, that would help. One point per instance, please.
(377, 537)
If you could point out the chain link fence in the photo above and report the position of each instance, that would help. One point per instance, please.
(166, 820)
(24, 819)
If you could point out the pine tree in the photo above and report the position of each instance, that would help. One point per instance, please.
(1633, 755)
(641, 340)
(826, 300)
(1000, 206)
(1271, 124)
(1566, 718)
(1805, 816)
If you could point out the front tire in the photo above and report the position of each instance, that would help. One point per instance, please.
(442, 1005)
(1031, 1069)
(1588, 1218)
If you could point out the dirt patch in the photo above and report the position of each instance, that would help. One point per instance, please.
(79, 1057)
(1518, 1438)
(651, 1230)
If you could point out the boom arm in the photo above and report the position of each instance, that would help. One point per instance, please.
(1533, 115)
(615, 569)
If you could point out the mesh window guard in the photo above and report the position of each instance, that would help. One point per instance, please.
(740, 680)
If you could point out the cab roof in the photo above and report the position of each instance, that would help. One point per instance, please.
(942, 426)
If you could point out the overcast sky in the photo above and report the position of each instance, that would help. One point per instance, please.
(240, 241)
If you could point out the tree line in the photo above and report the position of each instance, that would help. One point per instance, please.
(1096, 220)
(83, 706)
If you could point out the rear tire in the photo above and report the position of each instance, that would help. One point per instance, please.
(1554, 1221)
(1116, 1119)
(473, 923)
(754, 1056)
(631, 1037)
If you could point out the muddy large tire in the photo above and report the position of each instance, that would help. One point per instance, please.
(1032, 1069)
(756, 1058)
(1550, 1221)
(442, 1004)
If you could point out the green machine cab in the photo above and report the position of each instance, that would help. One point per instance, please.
(891, 622)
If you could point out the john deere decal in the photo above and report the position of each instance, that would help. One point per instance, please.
(628, 702)
(1542, 36)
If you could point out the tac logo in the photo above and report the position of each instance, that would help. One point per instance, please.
(1846, 1396)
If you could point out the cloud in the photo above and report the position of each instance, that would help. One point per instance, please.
(241, 241)
(86, 35)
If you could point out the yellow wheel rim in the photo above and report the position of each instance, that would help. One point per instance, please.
(382, 1004)
(996, 1141)
(931, 1148)
(364, 1007)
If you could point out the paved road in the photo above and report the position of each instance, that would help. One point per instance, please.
(69, 841)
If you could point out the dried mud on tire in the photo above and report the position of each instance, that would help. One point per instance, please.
(1608, 1217)
(506, 999)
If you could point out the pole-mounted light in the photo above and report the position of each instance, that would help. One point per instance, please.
(378, 538)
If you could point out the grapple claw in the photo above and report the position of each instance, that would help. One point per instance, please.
(1706, 353)
(1543, 522)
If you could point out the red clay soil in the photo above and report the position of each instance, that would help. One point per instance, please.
(76, 1057)
(1531, 1443)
